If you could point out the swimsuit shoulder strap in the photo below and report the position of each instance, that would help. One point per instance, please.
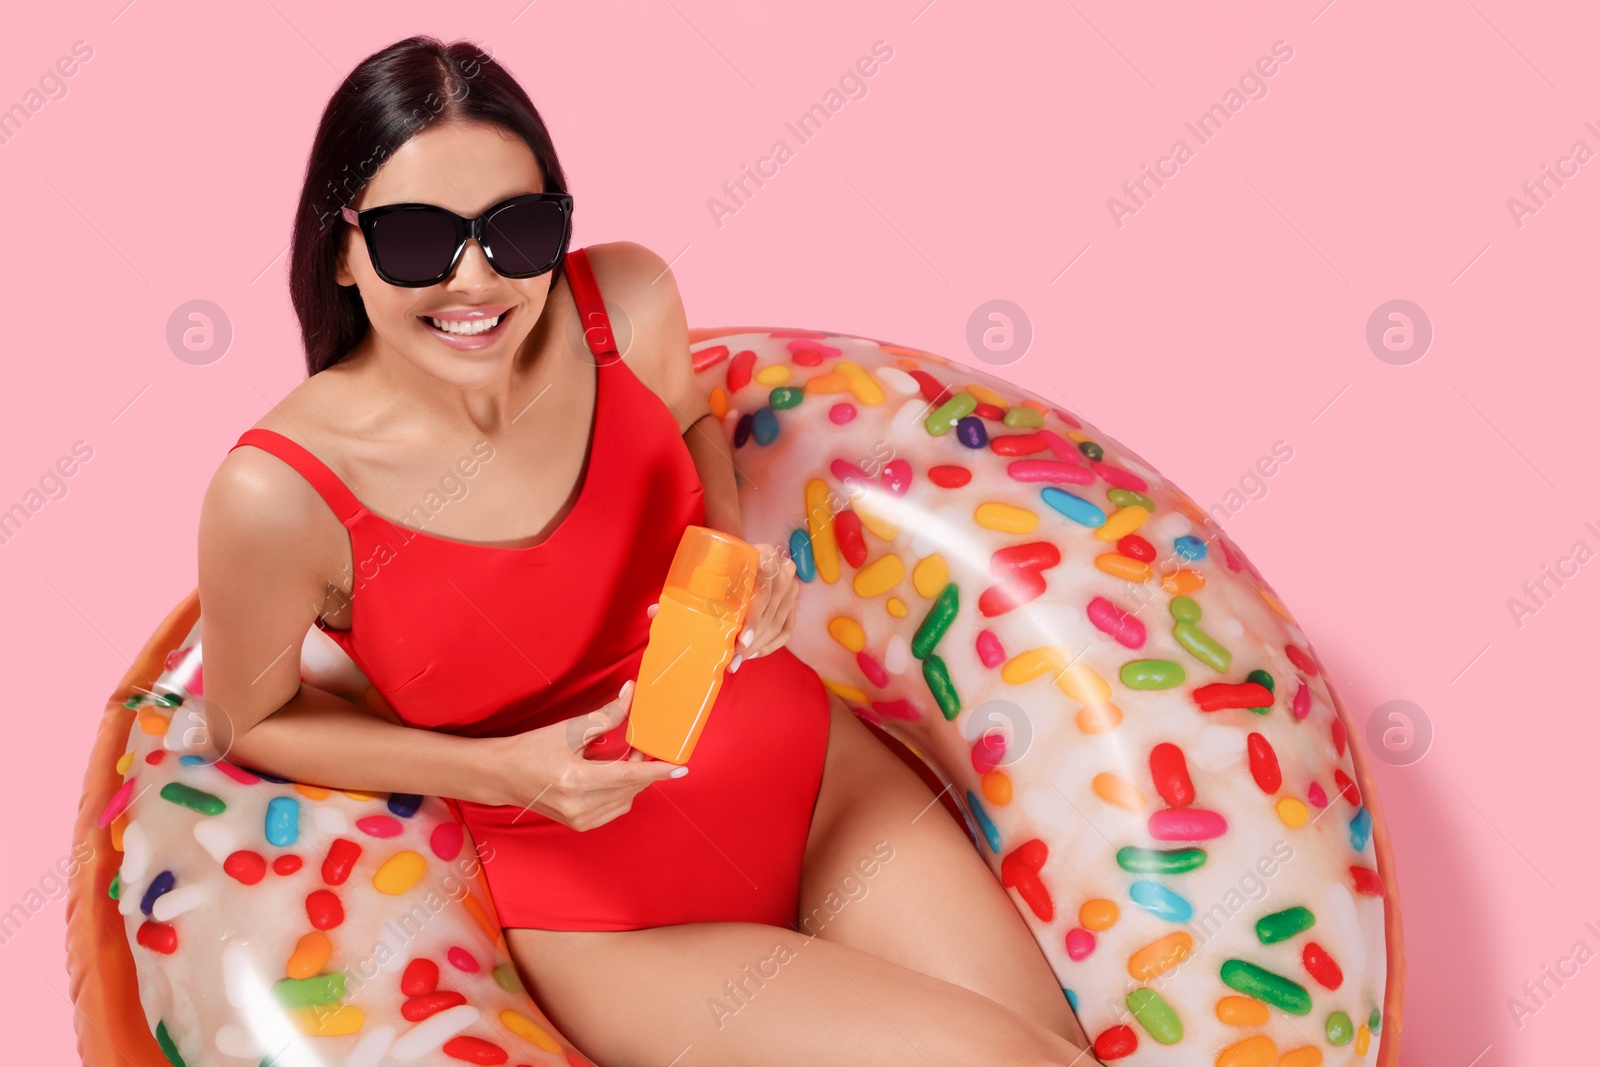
(591, 308)
(322, 479)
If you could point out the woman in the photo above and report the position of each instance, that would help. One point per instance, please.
(659, 915)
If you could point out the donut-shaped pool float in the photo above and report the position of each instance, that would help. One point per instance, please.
(1141, 742)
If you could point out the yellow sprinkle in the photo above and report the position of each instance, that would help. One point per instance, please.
(1006, 518)
(327, 1020)
(1160, 956)
(1242, 1011)
(118, 825)
(1077, 436)
(846, 692)
(1026, 666)
(819, 524)
(866, 511)
(399, 872)
(1098, 914)
(312, 792)
(480, 915)
(152, 722)
(1080, 682)
(523, 1026)
(1122, 522)
(997, 787)
(897, 607)
(311, 954)
(847, 632)
(1363, 1040)
(987, 396)
(1251, 1052)
(773, 374)
(879, 576)
(862, 384)
(1115, 789)
(930, 576)
(1293, 812)
(1272, 601)
(1099, 718)
(356, 794)
(832, 382)
(124, 762)
(1124, 567)
(1309, 1056)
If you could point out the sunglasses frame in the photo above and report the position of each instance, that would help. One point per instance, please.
(466, 229)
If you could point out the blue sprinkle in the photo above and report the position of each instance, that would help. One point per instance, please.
(741, 430)
(404, 805)
(1160, 901)
(1073, 507)
(970, 432)
(283, 821)
(765, 424)
(159, 886)
(1190, 547)
(1072, 998)
(191, 759)
(805, 564)
(991, 833)
(1360, 829)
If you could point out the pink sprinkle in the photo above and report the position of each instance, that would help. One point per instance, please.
(851, 475)
(840, 414)
(197, 685)
(809, 353)
(872, 669)
(1080, 943)
(1120, 478)
(1063, 449)
(379, 826)
(897, 709)
(1317, 797)
(988, 751)
(1127, 630)
(896, 477)
(1068, 419)
(1187, 824)
(238, 774)
(446, 840)
(461, 959)
(1044, 470)
(175, 657)
(990, 651)
(1302, 701)
(118, 803)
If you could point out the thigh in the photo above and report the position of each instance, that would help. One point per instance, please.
(887, 871)
(749, 995)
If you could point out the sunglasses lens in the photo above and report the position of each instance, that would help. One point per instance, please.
(526, 237)
(414, 246)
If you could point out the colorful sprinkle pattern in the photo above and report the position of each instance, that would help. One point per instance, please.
(1145, 743)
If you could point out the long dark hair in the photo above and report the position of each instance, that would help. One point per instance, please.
(389, 98)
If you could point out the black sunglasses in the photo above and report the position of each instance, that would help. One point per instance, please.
(414, 245)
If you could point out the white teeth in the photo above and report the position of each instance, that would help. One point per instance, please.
(467, 327)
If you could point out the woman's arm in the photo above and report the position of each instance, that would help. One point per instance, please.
(258, 598)
(709, 447)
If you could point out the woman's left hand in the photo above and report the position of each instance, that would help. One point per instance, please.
(769, 623)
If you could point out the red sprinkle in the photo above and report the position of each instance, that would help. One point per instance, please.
(1219, 695)
(1170, 771)
(933, 391)
(709, 357)
(872, 669)
(1320, 966)
(342, 855)
(990, 412)
(852, 544)
(287, 863)
(446, 840)
(158, 937)
(1302, 701)
(809, 353)
(461, 959)
(1367, 881)
(323, 909)
(949, 477)
(1315, 794)
(1019, 870)
(1017, 444)
(1300, 658)
(897, 709)
(380, 826)
(1115, 1043)
(739, 370)
(245, 866)
(1135, 547)
(155, 756)
(474, 1050)
(1264, 763)
(238, 774)
(420, 1007)
(420, 976)
(1347, 787)
(1338, 735)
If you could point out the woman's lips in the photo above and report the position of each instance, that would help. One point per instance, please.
(467, 342)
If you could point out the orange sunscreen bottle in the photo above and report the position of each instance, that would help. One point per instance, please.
(702, 610)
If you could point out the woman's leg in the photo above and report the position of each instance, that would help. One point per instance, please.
(748, 995)
(933, 905)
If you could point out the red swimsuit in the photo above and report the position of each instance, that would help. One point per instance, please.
(485, 641)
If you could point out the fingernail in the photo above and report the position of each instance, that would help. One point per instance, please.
(737, 659)
(678, 772)
(626, 686)
(748, 636)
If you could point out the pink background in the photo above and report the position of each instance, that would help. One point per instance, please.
(1228, 313)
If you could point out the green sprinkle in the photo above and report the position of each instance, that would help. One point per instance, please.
(1156, 1016)
(505, 976)
(1262, 678)
(1184, 609)
(1151, 674)
(937, 622)
(786, 396)
(1273, 989)
(114, 890)
(1339, 1029)
(1159, 861)
(937, 675)
(1374, 1021)
(169, 700)
(946, 415)
(309, 992)
(1201, 646)
(187, 796)
(1091, 450)
(1126, 497)
(169, 1048)
(1282, 925)
(1023, 418)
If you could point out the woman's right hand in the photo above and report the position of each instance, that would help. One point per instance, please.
(545, 770)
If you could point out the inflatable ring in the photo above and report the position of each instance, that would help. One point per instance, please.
(1141, 742)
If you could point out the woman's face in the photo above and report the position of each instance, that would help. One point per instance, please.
(465, 168)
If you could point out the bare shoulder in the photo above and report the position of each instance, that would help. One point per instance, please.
(654, 334)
